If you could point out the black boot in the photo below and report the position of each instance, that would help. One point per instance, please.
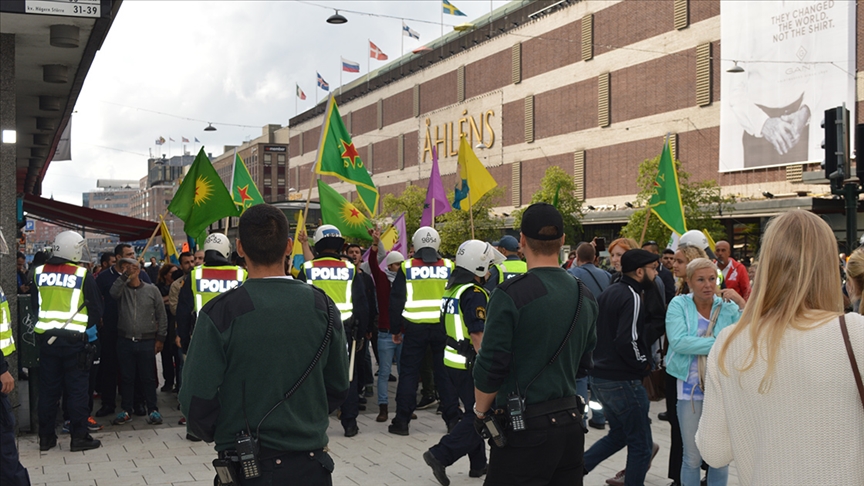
(84, 443)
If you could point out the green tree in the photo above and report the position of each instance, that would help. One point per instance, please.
(411, 202)
(702, 201)
(557, 181)
(455, 226)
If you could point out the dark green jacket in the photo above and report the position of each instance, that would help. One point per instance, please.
(265, 334)
(527, 319)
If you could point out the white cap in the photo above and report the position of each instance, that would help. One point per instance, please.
(218, 242)
(426, 237)
(394, 257)
(68, 245)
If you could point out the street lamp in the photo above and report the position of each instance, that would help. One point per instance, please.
(337, 19)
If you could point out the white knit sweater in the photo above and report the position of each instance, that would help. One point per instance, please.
(808, 429)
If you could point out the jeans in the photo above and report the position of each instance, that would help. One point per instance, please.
(137, 358)
(689, 412)
(582, 390)
(416, 339)
(625, 404)
(387, 349)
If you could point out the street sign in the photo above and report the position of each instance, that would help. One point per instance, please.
(30, 226)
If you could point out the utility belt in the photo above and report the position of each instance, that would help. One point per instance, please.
(464, 348)
(86, 355)
(515, 417)
(231, 470)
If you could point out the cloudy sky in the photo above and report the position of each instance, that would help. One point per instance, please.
(228, 62)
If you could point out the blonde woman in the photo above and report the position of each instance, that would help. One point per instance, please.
(692, 323)
(787, 347)
(683, 256)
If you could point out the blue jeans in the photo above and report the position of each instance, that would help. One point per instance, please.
(416, 338)
(582, 390)
(625, 405)
(689, 413)
(387, 349)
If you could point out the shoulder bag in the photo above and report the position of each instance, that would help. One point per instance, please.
(852, 359)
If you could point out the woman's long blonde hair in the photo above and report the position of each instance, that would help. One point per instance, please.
(855, 271)
(797, 287)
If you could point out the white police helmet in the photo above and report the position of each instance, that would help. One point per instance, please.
(218, 242)
(696, 238)
(326, 231)
(394, 257)
(476, 256)
(69, 245)
(426, 237)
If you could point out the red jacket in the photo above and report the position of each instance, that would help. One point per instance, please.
(737, 278)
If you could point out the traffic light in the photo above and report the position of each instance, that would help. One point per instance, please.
(859, 153)
(836, 145)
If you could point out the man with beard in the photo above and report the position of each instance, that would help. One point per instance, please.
(621, 359)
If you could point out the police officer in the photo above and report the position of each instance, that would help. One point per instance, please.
(463, 313)
(415, 307)
(252, 344)
(11, 470)
(509, 268)
(69, 303)
(533, 318)
(215, 276)
(338, 279)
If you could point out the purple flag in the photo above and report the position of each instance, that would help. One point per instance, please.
(436, 193)
(401, 244)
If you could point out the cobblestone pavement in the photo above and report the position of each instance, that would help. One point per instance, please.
(139, 454)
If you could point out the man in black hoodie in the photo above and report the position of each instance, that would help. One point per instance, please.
(621, 359)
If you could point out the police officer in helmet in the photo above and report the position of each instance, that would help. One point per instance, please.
(70, 307)
(463, 313)
(337, 278)
(415, 306)
(215, 276)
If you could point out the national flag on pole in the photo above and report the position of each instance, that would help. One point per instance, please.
(323, 84)
(409, 32)
(171, 254)
(201, 198)
(350, 66)
(395, 237)
(451, 9)
(297, 258)
(160, 141)
(184, 139)
(196, 140)
(475, 180)
(434, 192)
(243, 189)
(376, 53)
(666, 198)
(171, 139)
(336, 210)
(338, 157)
(300, 93)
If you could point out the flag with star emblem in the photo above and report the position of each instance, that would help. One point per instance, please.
(243, 188)
(202, 198)
(666, 198)
(336, 210)
(338, 157)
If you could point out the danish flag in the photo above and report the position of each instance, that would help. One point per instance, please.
(376, 53)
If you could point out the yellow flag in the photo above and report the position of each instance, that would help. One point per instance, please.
(711, 243)
(389, 238)
(297, 258)
(168, 243)
(475, 179)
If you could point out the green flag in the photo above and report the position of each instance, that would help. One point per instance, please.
(666, 198)
(336, 210)
(338, 157)
(201, 198)
(243, 188)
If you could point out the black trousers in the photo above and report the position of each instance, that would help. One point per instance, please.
(551, 456)
(59, 373)
(306, 468)
(170, 364)
(108, 367)
(12, 473)
(137, 357)
(676, 451)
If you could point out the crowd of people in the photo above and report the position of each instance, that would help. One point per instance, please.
(507, 341)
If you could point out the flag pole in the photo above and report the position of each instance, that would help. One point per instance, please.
(150, 241)
(645, 228)
(403, 38)
(470, 214)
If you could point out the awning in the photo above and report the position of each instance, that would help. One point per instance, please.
(77, 217)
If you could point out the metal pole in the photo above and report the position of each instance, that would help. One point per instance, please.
(850, 193)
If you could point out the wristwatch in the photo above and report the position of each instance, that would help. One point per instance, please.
(480, 415)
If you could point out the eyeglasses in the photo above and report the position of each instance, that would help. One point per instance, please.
(650, 242)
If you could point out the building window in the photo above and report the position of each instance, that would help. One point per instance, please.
(281, 182)
(280, 159)
(268, 160)
(267, 182)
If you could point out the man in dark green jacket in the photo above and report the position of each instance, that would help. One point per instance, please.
(528, 319)
(252, 345)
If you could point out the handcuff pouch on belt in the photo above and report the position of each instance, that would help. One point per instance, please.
(86, 357)
(464, 348)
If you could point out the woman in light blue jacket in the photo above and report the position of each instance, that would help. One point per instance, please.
(689, 319)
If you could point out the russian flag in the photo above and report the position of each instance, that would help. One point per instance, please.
(350, 66)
